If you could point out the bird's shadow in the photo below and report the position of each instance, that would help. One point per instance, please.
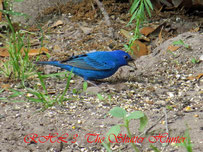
(113, 81)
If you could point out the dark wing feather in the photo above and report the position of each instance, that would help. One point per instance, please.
(90, 62)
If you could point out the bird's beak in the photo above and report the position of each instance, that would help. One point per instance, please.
(132, 64)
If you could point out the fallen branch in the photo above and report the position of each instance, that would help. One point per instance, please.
(106, 17)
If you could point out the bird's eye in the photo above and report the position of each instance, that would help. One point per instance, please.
(126, 57)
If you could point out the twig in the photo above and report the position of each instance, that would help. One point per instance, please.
(147, 130)
(166, 121)
(106, 17)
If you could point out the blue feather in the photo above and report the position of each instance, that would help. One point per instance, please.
(94, 65)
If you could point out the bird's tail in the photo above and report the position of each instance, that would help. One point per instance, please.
(55, 63)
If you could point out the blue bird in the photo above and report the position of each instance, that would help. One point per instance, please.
(94, 65)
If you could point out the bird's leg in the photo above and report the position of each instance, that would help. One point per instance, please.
(92, 83)
(88, 81)
(77, 86)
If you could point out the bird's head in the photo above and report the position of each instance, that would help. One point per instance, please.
(123, 57)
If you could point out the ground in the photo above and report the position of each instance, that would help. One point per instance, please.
(167, 86)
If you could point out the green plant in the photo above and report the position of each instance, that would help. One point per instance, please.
(85, 85)
(194, 61)
(155, 148)
(44, 97)
(38, 96)
(100, 97)
(115, 130)
(138, 13)
(18, 66)
(180, 42)
(187, 142)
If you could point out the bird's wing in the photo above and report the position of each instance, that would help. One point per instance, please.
(91, 61)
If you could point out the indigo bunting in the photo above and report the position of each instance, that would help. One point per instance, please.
(94, 65)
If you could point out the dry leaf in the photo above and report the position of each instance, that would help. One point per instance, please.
(139, 49)
(195, 29)
(127, 34)
(147, 30)
(197, 77)
(173, 48)
(57, 23)
(5, 86)
(4, 51)
(33, 52)
(160, 36)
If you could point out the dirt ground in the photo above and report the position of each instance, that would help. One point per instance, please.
(162, 79)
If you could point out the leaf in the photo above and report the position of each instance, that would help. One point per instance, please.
(160, 36)
(195, 29)
(57, 23)
(127, 34)
(173, 48)
(118, 112)
(31, 52)
(143, 122)
(114, 131)
(195, 61)
(135, 115)
(139, 49)
(85, 85)
(35, 93)
(155, 148)
(34, 99)
(147, 30)
(134, 6)
(133, 17)
(180, 42)
(187, 142)
(4, 52)
(197, 77)
(6, 86)
(150, 4)
(147, 8)
(2, 98)
(100, 97)
(107, 147)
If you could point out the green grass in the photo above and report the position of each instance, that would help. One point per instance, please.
(39, 95)
(187, 144)
(18, 66)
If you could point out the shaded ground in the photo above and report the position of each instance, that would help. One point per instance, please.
(161, 80)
